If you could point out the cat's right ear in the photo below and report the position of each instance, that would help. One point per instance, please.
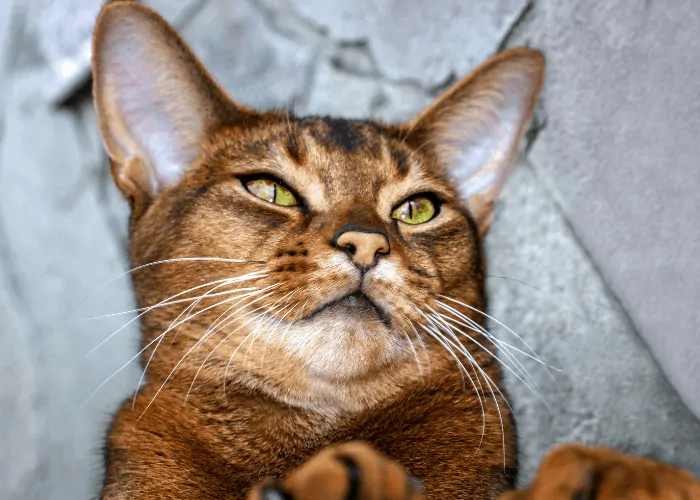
(475, 127)
(153, 99)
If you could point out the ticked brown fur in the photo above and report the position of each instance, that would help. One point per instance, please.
(259, 368)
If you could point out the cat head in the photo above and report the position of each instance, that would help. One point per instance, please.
(304, 255)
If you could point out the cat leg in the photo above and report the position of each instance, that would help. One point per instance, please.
(347, 471)
(576, 472)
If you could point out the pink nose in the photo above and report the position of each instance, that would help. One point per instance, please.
(363, 247)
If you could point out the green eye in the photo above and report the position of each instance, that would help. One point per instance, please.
(271, 191)
(416, 210)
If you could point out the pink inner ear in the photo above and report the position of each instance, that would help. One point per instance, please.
(475, 128)
(480, 163)
(151, 97)
(153, 100)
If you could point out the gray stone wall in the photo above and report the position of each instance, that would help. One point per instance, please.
(62, 225)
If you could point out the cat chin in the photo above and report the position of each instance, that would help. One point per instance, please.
(344, 343)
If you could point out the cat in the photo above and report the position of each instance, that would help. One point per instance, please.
(313, 291)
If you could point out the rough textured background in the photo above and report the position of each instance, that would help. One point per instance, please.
(621, 150)
(619, 100)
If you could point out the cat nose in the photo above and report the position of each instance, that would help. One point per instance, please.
(362, 246)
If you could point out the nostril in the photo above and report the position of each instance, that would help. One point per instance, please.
(363, 247)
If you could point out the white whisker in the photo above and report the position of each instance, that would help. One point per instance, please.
(268, 313)
(199, 342)
(420, 341)
(492, 338)
(252, 332)
(509, 356)
(279, 321)
(446, 345)
(446, 327)
(526, 378)
(473, 325)
(160, 262)
(213, 331)
(415, 355)
(247, 277)
(485, 349)
(502, 325)
(150, 308)
(170, 327)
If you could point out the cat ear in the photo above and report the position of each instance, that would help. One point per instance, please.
(476, 126)
(153, 99)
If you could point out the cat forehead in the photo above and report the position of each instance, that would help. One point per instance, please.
(347, 136)
(327, 146)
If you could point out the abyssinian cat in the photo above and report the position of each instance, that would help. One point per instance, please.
(314, 290)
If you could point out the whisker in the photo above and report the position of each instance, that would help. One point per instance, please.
(272, 330)
(156, 339)
(269, 312)
(149, 308)
(420, 341)
(439, 324)
(208, 335)
(226, 316)
(509, 356)
(415, 355)
(501, 324)
(476, 327)
(227, 320)
(104, 382)
(286, 331)
(160, 262)
(523, 371)
(224, 340)
(171, 326)
(265, 318)
(446, 325)
(161, 304)
(180, 362)
(253, 290)
(430, 329)
(456, 344)
(488, 351)
(252, 332)
(435, 334)
(489, 382)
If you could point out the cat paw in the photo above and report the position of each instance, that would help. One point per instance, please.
(351, 471)
(575, 472)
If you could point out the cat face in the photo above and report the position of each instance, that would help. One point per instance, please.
(353, 233)
(329, 247)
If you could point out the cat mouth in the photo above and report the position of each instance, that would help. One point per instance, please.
(355, 304)
(357, 300)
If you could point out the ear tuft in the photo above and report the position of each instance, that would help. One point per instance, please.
(476, 126)
(153, 99)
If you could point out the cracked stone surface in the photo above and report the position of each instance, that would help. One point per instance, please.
(63, 225)
(258, 65)
(59, 35)
(426, 44)
(609, 389)
(620, 150)
(57, 248)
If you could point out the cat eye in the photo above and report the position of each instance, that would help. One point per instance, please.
(271, 191)
(416, 210)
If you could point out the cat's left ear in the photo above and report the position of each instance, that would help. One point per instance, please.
(475, 127)
(155, 103)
